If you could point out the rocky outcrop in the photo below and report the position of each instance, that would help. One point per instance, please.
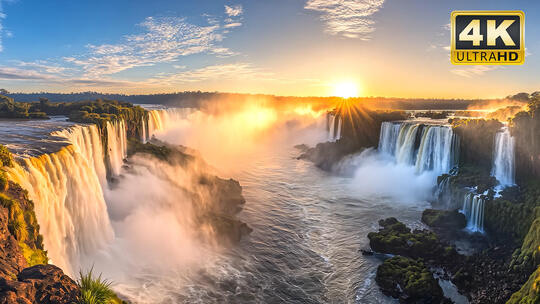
(216, 201)
(396, 238)
(45, 284)
(409, 280)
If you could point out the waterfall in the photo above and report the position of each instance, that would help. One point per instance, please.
(427, 147)
(67, 190)
(503, 158)
(144, 135)
(117, 145)
(159, 120)
(473, 209)
(333, 127)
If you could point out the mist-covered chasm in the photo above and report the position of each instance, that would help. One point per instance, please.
(143, 230)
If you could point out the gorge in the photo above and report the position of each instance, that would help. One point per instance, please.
(127, 197)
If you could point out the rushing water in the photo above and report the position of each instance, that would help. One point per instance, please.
(473, 209)
(304, 248)
(503, 158)
(426, 146)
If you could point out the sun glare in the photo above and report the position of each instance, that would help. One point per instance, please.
(346, 90)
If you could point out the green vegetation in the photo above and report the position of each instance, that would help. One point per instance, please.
(6, 159)
(11, 109)
(171, 154)
(409, 280)
(97, 111)
(396, 238)
(95, 290)
(529, 292)
(22, 224)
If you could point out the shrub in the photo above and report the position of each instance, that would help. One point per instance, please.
(95, 290)
(6, 159)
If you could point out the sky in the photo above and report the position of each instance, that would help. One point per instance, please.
(392, 48)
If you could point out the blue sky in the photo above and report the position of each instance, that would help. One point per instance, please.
(284, 47)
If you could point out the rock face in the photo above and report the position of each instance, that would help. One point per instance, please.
(216, 201)
(45, 284)
(444, 219)
(409, 280)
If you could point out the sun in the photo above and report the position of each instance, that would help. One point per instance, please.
(346, 90)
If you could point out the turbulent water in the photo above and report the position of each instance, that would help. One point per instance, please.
(308, 225)
(428, 147)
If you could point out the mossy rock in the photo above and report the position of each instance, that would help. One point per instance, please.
(444, 219)
(396, 238)
(409, 280)
(6, 159)
(529, 292)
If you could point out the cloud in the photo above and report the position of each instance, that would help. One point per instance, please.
(239, 70)
(234, 24)
(234, 11)
(472, 71)
(2, 31)
(11, 73)
(348, 18)
(164, 39)
(42, 66)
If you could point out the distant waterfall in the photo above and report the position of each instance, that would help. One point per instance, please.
(427, 147)
(117, 145)
(503, 158)
(473, 209)
(159, 120)
(333, 126)
(67, 190)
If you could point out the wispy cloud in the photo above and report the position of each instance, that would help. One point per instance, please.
(164, 39)
(349, 18)
(472, 71)
(42, 66)
(234, 11)
(11, 73)
(2, 31)
(239, 70)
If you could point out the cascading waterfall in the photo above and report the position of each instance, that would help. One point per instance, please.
(144, 135)
(67, 190)
(427, 147)
(473, 209)
(159, 120)
(333, 126)
(117, 145)
(503, 158)
(69, 187)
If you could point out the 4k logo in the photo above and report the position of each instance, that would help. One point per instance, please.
(487, 37)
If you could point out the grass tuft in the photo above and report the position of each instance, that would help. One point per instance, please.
(95, 290)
